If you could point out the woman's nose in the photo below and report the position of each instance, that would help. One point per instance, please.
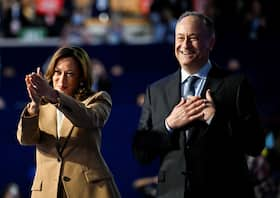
(63, 78)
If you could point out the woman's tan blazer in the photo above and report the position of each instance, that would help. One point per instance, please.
(74, 158)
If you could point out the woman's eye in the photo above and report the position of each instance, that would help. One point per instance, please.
(56, 72)
(69, 74)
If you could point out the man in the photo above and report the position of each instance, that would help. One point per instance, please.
(202, 140)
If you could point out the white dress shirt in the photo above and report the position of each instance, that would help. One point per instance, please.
(59, 118)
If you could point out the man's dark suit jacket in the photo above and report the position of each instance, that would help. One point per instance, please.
(212, 163)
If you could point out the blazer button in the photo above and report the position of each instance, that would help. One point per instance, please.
(65, 178)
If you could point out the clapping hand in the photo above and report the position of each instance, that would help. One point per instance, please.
(40, 84)
(31, 87)
(37, 87)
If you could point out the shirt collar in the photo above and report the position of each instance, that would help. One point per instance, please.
(202, 73)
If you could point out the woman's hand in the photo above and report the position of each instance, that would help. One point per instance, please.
(42, 87)
(33, 107)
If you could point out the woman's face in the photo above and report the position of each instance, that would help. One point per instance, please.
(66, 77)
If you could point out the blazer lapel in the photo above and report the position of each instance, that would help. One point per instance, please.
(65, 135)
(66, 127)
(48, 119)
(48, 114)
(49, 122)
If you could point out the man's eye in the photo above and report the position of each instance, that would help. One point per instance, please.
(180, 38)
(193, 38)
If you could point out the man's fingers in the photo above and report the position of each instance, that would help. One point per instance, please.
(208, 95)
(182, 101)
(194, 103)
(196, 116)
(196, 109)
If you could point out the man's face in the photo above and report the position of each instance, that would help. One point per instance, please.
(192, 43)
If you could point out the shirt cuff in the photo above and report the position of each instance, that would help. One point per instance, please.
(169, 129)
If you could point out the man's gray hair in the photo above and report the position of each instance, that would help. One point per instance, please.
(209, 23)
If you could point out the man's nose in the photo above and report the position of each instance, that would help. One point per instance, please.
(187, 43)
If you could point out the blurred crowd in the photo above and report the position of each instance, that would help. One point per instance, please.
(134, 21)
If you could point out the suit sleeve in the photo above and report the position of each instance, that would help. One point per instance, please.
(28, 132)
(250, 132)
(239, 118)
(151, 138)
(92, 113)
(145, 122)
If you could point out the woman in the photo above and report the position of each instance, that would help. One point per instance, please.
(64, 120)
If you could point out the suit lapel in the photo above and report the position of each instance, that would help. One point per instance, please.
(173, 90)
(173, 87)
(214, 82)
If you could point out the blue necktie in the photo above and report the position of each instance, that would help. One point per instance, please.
(189, 89)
